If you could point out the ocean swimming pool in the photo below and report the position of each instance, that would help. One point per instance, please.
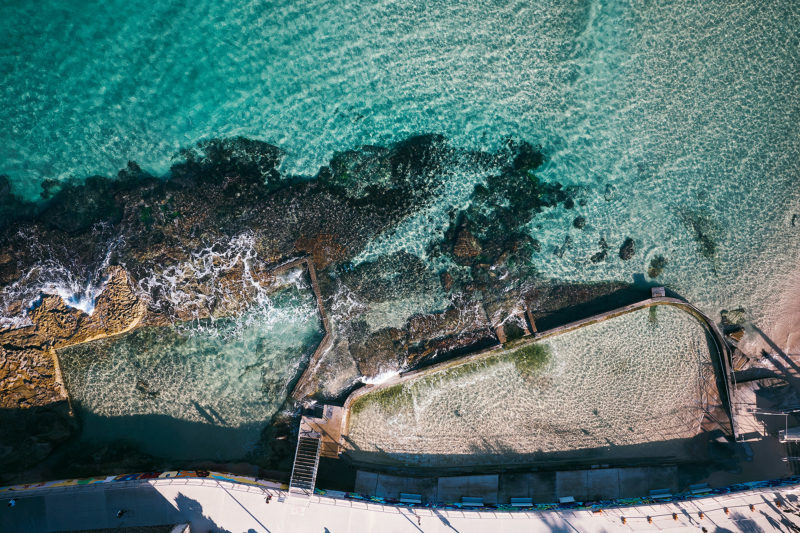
(202, 391)
(634, 386)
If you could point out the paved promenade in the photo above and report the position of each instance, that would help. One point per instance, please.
(210, 505)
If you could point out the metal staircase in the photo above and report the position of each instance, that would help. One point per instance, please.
(306, 462)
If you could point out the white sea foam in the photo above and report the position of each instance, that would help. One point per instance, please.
(202, 285)
(77, 287)
(381, 377)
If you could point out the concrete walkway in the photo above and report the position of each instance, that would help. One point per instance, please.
(210, 505)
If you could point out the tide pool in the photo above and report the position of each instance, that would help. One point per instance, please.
(201, 391)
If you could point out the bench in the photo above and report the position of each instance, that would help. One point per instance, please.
(521, 502)
(659, 494)
(566, 499)
(472, 502)
(700, 488)
(410, 498)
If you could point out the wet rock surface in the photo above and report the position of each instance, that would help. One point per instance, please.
(657, 265)
(627, 249)
(204, 239)
(33, 399)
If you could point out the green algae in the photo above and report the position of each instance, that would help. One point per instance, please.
(531, 359)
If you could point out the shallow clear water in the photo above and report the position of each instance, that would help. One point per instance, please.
(672, 116)
(194, 392)
(632, 386)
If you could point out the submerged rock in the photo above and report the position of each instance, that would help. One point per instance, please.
(627, 249)
(559, 251)
(657, 265)
(601, 255)
(733, 317)
(703, 230)
(579, 222)
(610, 192)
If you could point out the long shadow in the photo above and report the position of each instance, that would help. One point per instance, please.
(702, 450)
(788, 524)
(755, 374)
(444, 520)
(62, 446)
(776, 348)
(246, 510)
(596, 298)
(203, 413)
(784, 373)
(125, 508)
(405, 515)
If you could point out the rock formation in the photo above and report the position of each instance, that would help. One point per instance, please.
(30, 377)
(202, 241)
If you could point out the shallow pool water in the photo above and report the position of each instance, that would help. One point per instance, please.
(632, 386)
(204, 391)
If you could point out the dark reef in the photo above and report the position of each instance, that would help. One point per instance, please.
(220, 189)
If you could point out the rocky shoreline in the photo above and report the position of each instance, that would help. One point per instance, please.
(204, 240)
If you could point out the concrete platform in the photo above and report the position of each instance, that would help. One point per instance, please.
(542, 487)
(209, 505)
(452, 489)
(386, 486)
(328, 427)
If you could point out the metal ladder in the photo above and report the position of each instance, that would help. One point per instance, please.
(306, 461)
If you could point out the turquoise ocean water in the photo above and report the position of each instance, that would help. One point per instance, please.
(679, 121)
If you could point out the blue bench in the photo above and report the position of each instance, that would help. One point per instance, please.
(410, 498)
(471, 502)
(566, 499)
(521, 502)
(659, 494)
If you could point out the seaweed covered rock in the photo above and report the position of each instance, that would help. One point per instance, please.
(657, 265)
(601, 255)
(492, 231)
(703, 230)
(627, 249)
(733, 317)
